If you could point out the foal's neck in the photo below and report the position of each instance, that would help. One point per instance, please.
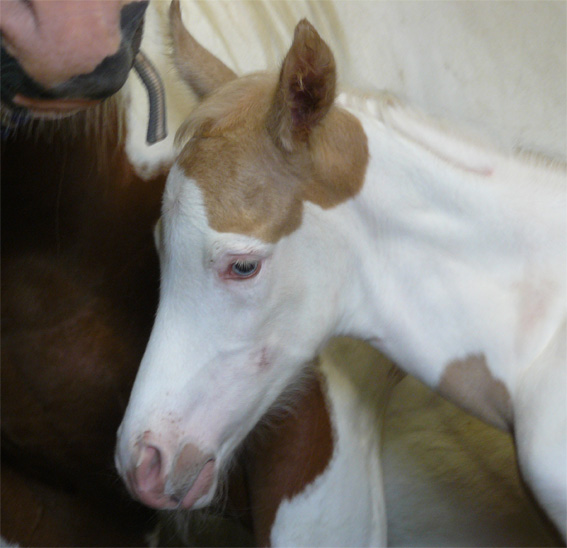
(462, 254)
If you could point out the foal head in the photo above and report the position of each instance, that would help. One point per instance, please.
(246, 300)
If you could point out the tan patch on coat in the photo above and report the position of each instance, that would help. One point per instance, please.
(250, 185)
(469, 383)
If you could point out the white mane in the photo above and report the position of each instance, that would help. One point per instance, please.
(458, 146)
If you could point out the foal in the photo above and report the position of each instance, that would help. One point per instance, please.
(289, 219)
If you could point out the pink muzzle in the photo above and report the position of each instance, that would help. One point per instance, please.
(191, 476)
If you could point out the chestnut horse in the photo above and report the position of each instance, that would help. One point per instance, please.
(78, 270)
(79, 279)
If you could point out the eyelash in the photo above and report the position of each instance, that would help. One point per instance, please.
(242, 269)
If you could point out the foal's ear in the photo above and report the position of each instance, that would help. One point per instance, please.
(195, 64)
(306, 88)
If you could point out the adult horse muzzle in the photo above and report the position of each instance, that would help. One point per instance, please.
(24, 96)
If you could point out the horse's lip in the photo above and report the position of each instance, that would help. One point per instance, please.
(53, 106)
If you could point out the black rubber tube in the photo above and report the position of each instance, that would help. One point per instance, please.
(157, 123)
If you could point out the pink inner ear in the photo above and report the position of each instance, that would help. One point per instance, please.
(307, 86)
(311, 95)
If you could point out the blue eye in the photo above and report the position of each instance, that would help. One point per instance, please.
(245, 268)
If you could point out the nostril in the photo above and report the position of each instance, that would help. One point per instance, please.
(156, 482)
(147, 475)
(131, 16)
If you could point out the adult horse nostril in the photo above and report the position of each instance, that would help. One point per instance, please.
(109, 76)
(131, 17)
(95, 76)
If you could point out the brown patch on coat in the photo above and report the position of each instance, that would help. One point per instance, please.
(469, 383)
(259, 147)
(289, 457)
(250, 185)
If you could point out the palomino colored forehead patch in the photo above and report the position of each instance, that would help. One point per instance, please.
(250, 185)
